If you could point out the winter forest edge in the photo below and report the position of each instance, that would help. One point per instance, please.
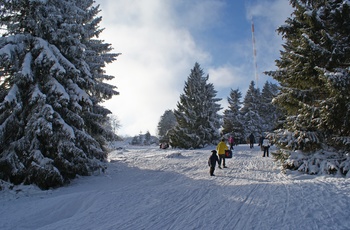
(53, 128)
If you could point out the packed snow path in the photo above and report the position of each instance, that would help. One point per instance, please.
(150, 188)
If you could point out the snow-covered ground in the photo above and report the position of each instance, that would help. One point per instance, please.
(150, 188)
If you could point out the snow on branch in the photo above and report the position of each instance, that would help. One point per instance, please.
(11, 96)
(52, 55)
(26, 71)
(315, 46)
(36, 95)
(77, 94)
(57, 89)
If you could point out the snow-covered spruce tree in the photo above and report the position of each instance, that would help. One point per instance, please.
(269, 112)
(51, 82)
(313, 71)
(167, 122)
(197, 116)
(232, 119)
(250, 111)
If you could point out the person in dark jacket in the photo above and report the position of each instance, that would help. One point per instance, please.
(261, 142)
(251, 141)
(212, 162)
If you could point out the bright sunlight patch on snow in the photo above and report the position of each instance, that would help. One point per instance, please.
(150, 188)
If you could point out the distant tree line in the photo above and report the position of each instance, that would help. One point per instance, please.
(144, 139)
(196, 123)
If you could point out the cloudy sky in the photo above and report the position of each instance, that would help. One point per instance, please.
(160, 41)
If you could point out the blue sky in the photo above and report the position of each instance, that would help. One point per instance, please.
(160, 41)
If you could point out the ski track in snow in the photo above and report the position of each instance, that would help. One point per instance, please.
(150, 188)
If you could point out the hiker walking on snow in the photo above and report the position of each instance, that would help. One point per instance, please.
(251, 140)
(266, 146)
(212, 162)
(221, 147)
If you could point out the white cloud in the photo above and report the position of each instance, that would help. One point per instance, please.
(226, 76)
(156, 59)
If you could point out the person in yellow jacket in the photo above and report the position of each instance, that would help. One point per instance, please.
(220, 148)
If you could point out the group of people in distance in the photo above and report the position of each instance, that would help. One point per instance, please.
(218, 155)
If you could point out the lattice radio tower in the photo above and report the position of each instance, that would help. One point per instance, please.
(254, 54)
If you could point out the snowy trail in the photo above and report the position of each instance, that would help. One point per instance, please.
(149, 188)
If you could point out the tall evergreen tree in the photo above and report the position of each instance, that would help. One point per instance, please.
(51, 86)
(166, 123)
(313, 71)
(197, 116)
(232, 120)
(251, 111)
(269, 112)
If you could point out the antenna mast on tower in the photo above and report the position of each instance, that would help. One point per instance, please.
(254, 54)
